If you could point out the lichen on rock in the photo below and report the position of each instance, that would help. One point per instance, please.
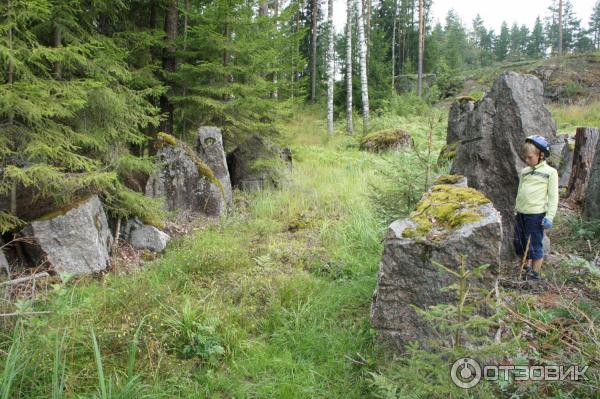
(445, 207)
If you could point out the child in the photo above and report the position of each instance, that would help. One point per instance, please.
(536, 204)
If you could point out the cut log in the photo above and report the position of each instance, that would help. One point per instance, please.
(583, 156)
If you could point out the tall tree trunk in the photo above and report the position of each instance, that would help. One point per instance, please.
(275, 93)
(263, 8)
(349, 127)
(57, 42)
(313, 67)
(368, 4)
(153, 14)
(586, 139)
(11, 68)
(330, 66)
(362, 51)
(394, 48)
(421, 47)
(560, 27)
(169, 63)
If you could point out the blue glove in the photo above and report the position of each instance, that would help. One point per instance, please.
(547, 223)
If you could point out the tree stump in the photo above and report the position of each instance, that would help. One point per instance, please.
(583, 156)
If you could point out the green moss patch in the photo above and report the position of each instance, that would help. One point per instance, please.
(444, 208)
(449, 179)
(385, 139)
(447, 153)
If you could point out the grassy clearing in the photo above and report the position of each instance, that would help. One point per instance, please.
(568, 117)
(272, 303)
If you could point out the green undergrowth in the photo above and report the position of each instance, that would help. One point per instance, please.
(273, 302)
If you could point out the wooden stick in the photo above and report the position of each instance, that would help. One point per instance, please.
(23, 314)
(25, 279)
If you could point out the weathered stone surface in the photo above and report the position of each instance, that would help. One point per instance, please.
(586, 139)
(209, 146)
(4, 265)
(407, 275)
(177, 181)
(256, 165)
(76, 241)
(143, 236)
(457, 119)
(489, 154)
(591, 206)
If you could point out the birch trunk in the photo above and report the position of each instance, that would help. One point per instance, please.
(330, 65)
(349, 127)
(421, 48)
(560, 26)
(275, 93)
(313, 67)
(362, 52)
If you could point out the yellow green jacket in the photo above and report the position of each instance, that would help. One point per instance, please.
(538, 190)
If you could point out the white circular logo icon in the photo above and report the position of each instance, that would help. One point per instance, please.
(465, 373)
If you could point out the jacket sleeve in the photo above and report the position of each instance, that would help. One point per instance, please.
(552, 195)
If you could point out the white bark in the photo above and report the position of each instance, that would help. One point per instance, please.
(394, 48)
(349, 125)
(330, 66)
(362, 52)
(313, 58)
(421, 47)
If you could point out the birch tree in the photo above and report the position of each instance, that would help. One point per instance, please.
(421, 47)
(330, 60)
(313, 53)
(349, 127)
(362, 52)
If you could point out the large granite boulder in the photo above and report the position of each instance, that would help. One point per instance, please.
(450, 222)
(209, 147)
(496, 128)
(591, 205)
(75, 240)
(256, 164)
(177, 180)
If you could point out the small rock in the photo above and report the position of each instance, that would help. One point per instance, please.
(143, 236)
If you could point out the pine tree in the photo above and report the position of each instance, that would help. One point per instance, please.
(536, 47)
(502, 44)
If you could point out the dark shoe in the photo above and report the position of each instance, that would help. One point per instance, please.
(532, 276)
(526, 272)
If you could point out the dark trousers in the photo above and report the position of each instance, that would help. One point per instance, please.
(529, 227)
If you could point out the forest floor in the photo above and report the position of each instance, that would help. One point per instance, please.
(274, 301)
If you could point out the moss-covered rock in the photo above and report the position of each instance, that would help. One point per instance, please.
(444, 208)
(384, 140)
(447, 154)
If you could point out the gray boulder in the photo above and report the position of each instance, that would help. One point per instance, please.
(77, 240)
(256, 164)
(457, 119)
(591, 205)
(489, 153)
(143, 236)
(562, 156)
(209, 147)
(177, 181)
(407, 276)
